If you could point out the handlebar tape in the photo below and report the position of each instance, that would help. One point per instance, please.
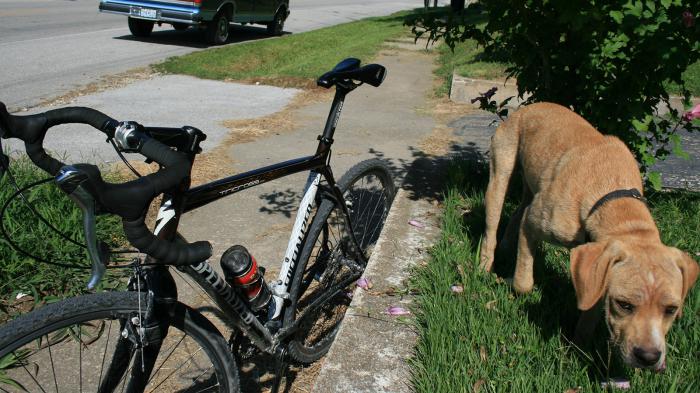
(128, 200)
(32, 130)
(170, 252)
(131, 199)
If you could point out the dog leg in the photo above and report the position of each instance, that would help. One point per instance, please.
(524, 280)
(507, 245)
(504, 148)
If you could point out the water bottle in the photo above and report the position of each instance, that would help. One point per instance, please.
(241, 271)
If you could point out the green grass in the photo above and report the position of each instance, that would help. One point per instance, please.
(489, 337)
(303, 56)
(44, 282)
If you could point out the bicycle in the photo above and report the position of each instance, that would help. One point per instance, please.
(127, 340)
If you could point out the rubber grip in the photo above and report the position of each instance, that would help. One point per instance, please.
(171, 253)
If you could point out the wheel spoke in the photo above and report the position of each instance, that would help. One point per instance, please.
(178, 368)
(104, 355)
(24, 366)
(53, 369)
(170, 352)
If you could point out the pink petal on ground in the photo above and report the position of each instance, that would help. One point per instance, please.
(348, 294)
(416, 224)
(364, 283)
(457, 288)
(616, 383)
(395, 311)
(692, 114)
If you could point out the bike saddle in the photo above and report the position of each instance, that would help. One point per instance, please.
(349, 69)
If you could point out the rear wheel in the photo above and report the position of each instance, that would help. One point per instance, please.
(140, 27)
(218, 29)
(88, 343)
(330, 264)
(276, 27)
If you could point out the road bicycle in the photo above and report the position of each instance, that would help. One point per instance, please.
(144, 339)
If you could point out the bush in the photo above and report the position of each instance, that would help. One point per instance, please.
(608, 61)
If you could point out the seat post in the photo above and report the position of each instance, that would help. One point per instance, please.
(326, 140)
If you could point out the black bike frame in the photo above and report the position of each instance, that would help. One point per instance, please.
(183, 199)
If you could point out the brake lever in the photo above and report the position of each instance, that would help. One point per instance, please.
(73, 181)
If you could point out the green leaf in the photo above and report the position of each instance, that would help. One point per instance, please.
(677, 148)
(617, 16)
(654, 179)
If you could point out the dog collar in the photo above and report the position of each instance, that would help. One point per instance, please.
(631, 193)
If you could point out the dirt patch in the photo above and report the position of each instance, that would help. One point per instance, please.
(249, 130)
(282, 81)
(107, 82)
(441, 138)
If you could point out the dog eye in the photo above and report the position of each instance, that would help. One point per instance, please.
(670, 310)
(625, 306)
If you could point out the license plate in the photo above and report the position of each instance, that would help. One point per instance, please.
(144, 13)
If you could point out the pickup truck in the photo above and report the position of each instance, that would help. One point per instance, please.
(214, 16)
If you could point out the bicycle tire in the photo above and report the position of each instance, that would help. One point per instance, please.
(321, 268)
(69, 328)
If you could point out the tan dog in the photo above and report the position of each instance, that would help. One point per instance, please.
(579, 192)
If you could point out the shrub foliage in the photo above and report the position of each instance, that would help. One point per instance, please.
(607, 60)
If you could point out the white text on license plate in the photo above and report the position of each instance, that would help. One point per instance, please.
(146, 13)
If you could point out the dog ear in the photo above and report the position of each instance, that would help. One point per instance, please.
(590, 265)
(689, 269)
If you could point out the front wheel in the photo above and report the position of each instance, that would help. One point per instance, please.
(218, 29)
(330, 263)
(88, 343)
(140, 27)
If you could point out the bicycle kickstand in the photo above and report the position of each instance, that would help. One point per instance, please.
(280, 369)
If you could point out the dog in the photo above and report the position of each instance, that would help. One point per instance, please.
(583, 190)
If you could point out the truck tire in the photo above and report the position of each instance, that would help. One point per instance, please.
(180, 26)
(140, 27)
(217, 29)
(276, 27)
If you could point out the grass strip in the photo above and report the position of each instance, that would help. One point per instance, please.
(41, 281)
(293, 59)
(487, 339)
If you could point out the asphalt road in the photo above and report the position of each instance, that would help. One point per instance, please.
(49, 47)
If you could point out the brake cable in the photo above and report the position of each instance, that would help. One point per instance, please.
(4, 165)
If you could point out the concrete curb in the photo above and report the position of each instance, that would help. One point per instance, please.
(371, 349)
(464, 89)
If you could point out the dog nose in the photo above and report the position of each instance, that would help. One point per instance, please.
(646, 358)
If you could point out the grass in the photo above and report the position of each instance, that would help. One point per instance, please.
(489, 340)
(302, 57)
(44, 282)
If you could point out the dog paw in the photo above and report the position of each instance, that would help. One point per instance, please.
(521, 287)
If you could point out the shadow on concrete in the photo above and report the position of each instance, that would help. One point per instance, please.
(195, 38)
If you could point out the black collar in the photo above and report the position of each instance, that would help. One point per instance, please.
(631, 193)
